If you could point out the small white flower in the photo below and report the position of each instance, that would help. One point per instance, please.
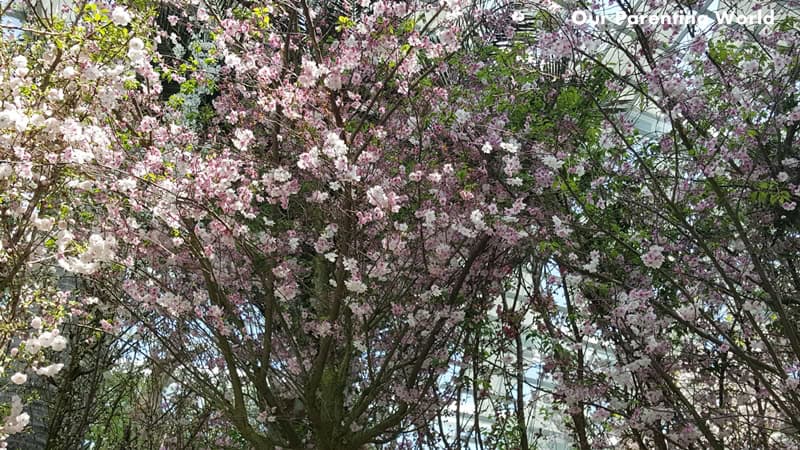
(477, 219)
(334, 146)
(594, 261)
(136, 44)
(487, 148)
(232, 60)
(518, 16)
(20, 62)
(11, 118)
(69, 72)
(356, 286)
(43, 224)
(5, 171)
(242, 138)
(36, 323)
(561, 230)
(462, 116)
(46, 338)
(120, 16)
(552, 162)
(510, 147)
(126, 184)
(19, 378)
(281, 175)
(50, 370)
(32, 346)
(59, 343)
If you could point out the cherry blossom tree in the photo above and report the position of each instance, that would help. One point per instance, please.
(299, 233)
(287, 223)
(61, 82)
(675, 250)
(545, 113)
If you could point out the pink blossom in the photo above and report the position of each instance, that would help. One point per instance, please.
(654, 257)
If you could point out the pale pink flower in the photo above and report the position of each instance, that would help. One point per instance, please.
(653, 258)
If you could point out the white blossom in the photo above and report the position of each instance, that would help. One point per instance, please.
(561, 230)
(19, 378)
(120, 16)
(334, 146)
(20, 62)
(552, 162)
(356, 286)
(232, 60)
(46, 338)
(477, 219)
(462, 116)
(50, 371)
(594, 260)
(16, 420)
(43, 224)
(510, 147)
(59, 343)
